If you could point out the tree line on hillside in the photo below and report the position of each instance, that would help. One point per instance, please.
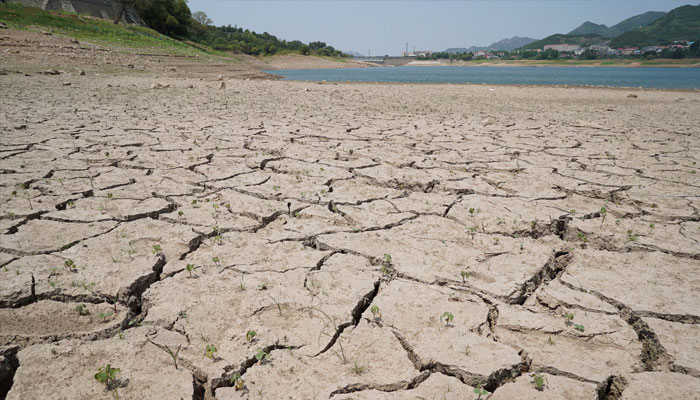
(174, 18)
(468, 56)
(692, 51)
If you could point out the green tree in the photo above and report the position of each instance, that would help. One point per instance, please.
(201, 17)
(169, 17)
(589, 54)
(695, 49)
(316, 45)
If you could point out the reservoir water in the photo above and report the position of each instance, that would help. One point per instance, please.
(668, 78)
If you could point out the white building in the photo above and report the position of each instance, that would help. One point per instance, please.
(562, 47)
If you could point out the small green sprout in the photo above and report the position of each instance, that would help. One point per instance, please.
(237, 382)
(157, 249)
(631, 236)
(387, 258)
(108, 376)
(250, 335)
(358, 369)
(260, 355)
(70, 265)
(465, 275)
(114, 301)
(603, 213)
(578, 327)
(52, 284)
(568, 317)
(582, 237)
(104, 316)
(190, 268)
(471, 210)
(654, 205)
(110, 195)
(539, 381)
(374, 310)
(215, 260)
(480, 392)
(180, 213)
(550, 341)
(172, 354)
(277, 303)
(82, 310)
(210, 351)
(448, 317)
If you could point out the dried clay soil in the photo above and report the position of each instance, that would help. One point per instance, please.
(383, 241)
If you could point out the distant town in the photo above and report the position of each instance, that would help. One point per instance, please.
(677, 49)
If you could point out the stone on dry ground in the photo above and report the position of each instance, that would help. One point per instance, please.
(290, 209)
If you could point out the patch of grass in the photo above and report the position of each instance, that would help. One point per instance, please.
(96, 30)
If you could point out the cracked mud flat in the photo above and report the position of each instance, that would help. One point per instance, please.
(298, 206)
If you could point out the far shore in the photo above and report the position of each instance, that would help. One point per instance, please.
(687, 63)
(294, 61)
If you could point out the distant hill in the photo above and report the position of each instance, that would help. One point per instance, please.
(581, 40)
(636, 22)
(682, 23)
(513, 43)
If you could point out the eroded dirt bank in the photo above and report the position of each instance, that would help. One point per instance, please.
(499, 232)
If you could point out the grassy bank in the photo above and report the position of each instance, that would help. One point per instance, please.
(95, 30)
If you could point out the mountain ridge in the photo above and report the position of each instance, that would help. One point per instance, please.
(635, 22)
(682, 23)
(504, 44)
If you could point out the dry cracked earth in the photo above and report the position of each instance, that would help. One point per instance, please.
(281, 240)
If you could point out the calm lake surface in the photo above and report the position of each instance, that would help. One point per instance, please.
(687, 78)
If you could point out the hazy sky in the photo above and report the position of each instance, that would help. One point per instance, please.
(386, 26)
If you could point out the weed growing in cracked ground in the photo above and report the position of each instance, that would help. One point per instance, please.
(82, 310)
(603, 213)
(479, 391)
(104, 316)
(107, 376)
(448, 317)
(237, 382)
(210, 351)
(539, 381)
(277, 303)
(260, 355)
(375, 311)
(358, 369)
(250, 335)
(568, 317)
